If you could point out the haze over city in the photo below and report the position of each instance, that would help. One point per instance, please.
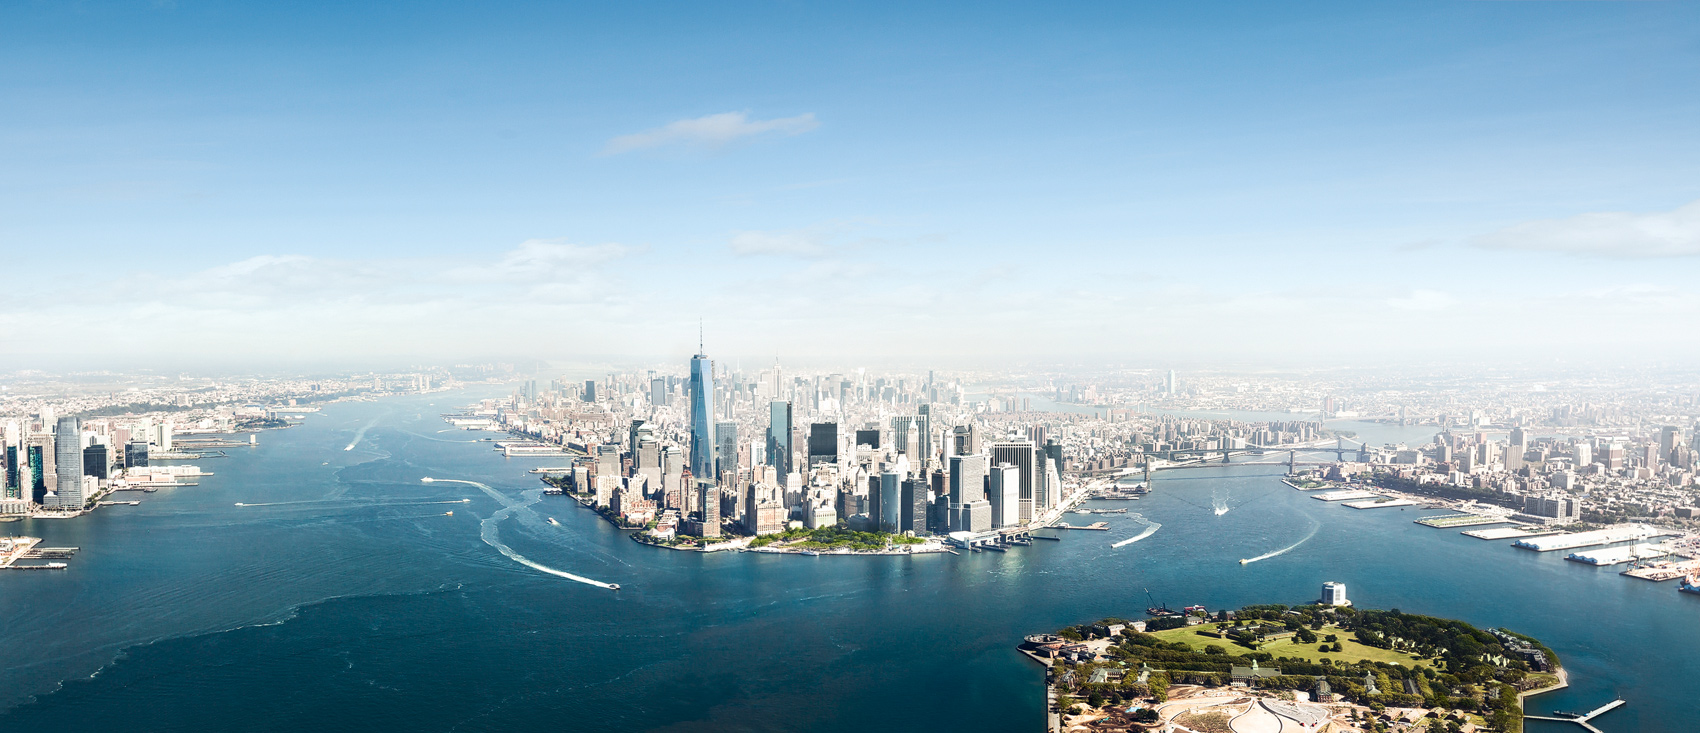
(1225, 367)
(252, 186)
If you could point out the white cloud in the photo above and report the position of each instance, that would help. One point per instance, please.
(546, 259)
(1607, 233)
(710, 131)
(799, 243)
(1423, 300)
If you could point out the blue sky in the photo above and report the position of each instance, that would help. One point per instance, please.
(961, 182)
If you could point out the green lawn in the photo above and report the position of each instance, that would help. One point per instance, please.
(1288, 648)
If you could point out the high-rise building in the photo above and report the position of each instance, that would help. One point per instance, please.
(967, 479)
(823, 443)
(1005, 494)
(589, 390)
(96, 461)
(1170, 387)
(726, 434)
(891, 500)
(914, 509)
(709, 501)
(13, 484)
(1019, 453)
(136, 454)
(869, 438)
(702, 417)
(37, 456)
(68, 463)
(779, 436)
(658, 392)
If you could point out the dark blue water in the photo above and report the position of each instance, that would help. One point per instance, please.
(362, 607)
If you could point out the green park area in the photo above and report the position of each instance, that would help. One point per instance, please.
(1350, 650)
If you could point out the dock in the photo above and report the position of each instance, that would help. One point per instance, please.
(1507, 533)
(1661, 571)
(1378, 504)
(1097, 526)
(1449, 521)
(1577, 540)
(1582, 719)
(1345, 494)
(1619, 555)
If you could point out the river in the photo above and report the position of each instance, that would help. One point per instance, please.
(345, 598)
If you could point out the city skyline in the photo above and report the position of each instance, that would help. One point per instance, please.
(1365, 184)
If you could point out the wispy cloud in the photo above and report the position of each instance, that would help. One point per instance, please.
(1607, 234)
(711, 131)
(1423, 300)
(794, 243)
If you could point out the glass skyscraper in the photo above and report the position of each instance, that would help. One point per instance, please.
(702, 417)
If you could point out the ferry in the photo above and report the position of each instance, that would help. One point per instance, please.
(1690, 583)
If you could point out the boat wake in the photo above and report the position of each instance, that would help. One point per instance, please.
(1289, 548)
(487, 531)
(361, 434)
(1150, 529)
(1219, 504)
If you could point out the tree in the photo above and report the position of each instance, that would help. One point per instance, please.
(1159, 687)
(1095, 699)
(1064, 702)
(1338, 648)
(1214, 650)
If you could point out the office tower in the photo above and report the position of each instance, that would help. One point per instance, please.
(1005, 494)
(702, 417)
(914, 510)
(1055, 451)
(658, 392)
(162, 435)
(1583, 453)
(1670, 439)
(136, 454)
(1170, 389)
(589, 390)
(709, 500)
(911, 436)
(823, 443)
(1019, 453)
(14, 486)
(891, 500)
(672, 479)
(96, 461)
(869, 438)
(967, 479)
(68, 463)
(726, 434)
(779, 436)
(37, 456)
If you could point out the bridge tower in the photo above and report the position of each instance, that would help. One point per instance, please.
(1292, 461)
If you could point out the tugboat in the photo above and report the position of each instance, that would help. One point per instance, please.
(1690, 583)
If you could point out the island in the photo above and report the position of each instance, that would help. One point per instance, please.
(1315, 668)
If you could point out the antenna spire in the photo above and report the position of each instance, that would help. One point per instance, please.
(699, 335)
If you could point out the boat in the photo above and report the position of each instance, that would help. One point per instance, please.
(552, 521)
(811, 553)
(448, 514)
(1690, 583)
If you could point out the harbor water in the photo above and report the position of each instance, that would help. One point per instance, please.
(315, 582)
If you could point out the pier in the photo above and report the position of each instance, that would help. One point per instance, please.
(1583, 718)
(1098, 526)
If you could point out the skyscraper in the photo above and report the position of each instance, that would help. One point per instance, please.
(1170, 387)
(68, 462)
(1005, 493)
(779, 436)
(702, 417)
(1019, 453)
(726, 435)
